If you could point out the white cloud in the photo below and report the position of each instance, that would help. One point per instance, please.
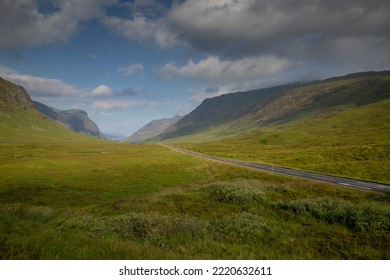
(23, 25)
(124, 105)
(44, 87)
(212, 69)
(141, 28)
(102, 90)
(41, 86)
(131, 70)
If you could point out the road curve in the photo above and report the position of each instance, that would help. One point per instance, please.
(351, 183)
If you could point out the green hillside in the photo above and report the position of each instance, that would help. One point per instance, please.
(339, 126)
(220, 110)
(20, 122)
(68, 196)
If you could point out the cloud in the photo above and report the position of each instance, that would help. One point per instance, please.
(239, 27)
(141, 28)
(131, 70)
(25, 23)
(149, 8)
(124, 105)
(128, 92)
(203, 93)
(145, 22)
(102, 90)
(41, 86)
(212, 69)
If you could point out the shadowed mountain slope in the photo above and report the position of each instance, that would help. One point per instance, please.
(238, 112)
(21, 122)
(152, 129)
(75, 119)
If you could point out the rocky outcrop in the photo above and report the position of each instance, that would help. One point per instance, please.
(14, 96)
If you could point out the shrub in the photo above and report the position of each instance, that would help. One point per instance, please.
(361, 217)
(90, 225)
(243, 227)
(237, 192)
(37, 213)
(135, 226)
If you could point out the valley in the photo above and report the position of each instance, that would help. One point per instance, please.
(65, 195)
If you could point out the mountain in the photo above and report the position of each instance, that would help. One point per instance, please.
(235, 113)
(152, 129)
(21, 122)
(75, 119)
(219, 110)
(113, 136)
(13, 97)
(339, 126)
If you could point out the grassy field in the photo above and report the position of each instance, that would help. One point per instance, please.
(343, 142)
(102, 200)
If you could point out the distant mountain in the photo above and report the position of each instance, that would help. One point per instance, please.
(238, 112)
(21, 122)
(75, 119)
(114, 136)
(152, 129)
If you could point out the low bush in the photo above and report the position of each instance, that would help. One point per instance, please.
(243, 227)
(135, 226)
(357, 217)
(37, 213)
(237, 192)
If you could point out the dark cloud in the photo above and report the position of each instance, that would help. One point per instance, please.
(260, 26)
(25, 23)
(148, 8)
(316, 36)
(212, 89)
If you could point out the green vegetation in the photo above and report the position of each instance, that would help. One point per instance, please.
(67, 196)
(339, 127)
(103, 200)
(333, 144)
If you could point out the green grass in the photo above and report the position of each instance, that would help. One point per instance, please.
(67, 196)
(351, 143)
(103, 200)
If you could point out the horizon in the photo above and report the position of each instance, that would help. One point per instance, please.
(127, 63)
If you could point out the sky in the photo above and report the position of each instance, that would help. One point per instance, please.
(129, 62)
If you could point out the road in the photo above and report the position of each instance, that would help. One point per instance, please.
(351, 183)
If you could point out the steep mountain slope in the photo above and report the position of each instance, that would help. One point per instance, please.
(21, 122)
(339, 126)
(238, 112)
(152, 129)
(223, 109)
(13, 97)
(75, 119)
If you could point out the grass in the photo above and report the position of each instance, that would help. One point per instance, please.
(349, 143)
(67, 196)
(102, 200)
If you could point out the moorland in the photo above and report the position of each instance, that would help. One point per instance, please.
(69, 196)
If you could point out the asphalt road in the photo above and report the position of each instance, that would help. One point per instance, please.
(351, 183)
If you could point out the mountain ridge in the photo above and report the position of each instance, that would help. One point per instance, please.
(151, 130)
(14, 94)
(242, 111)
(20, 120)
(75, 119)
